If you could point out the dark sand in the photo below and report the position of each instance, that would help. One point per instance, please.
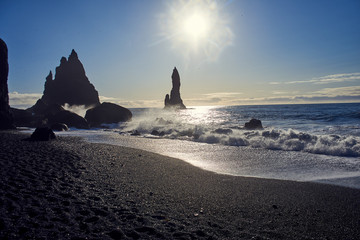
(70, 189)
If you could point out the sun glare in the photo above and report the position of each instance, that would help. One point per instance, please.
(197, 28)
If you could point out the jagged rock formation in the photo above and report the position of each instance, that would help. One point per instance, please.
(174, 100)
(70, 84)
(107, 113)
(24, 118)
(6, 119)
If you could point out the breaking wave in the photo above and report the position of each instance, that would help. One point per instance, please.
(216, 127)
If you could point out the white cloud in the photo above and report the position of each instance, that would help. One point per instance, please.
(26, 100)
(217, 98)
(340, 91)
(23, 100)
(133, 103)
(340, 94)
(335, 78)
(222, 94)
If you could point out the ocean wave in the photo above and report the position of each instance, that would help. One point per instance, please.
(173, 126)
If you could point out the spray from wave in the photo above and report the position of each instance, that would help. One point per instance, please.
(208, 125)
(78, 109)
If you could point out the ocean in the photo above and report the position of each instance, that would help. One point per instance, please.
(308, 142)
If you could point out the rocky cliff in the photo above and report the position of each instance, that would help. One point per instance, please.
(70, 84)
(174, 100)
(6, 120)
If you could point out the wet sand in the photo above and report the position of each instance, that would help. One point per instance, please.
(70, 189)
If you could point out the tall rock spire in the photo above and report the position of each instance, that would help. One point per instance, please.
(6, 119)
(174, 100)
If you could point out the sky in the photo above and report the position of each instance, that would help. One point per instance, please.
(235, 52)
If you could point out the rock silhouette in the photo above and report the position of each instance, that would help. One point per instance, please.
(174, 100)
(42, 114)
(107, 113)
(69, 118)
(24, 118)
(42, 134)
(6, 119)
(70, 84)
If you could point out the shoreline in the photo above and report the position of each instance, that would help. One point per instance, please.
(240, 161)
(72, 189)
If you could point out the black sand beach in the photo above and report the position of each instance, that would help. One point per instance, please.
(70, 189)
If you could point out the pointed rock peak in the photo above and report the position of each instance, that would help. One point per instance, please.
(49, 77)
(70, 84)
(73, 55)
(174, 100)
(175, 73)
(63, 61)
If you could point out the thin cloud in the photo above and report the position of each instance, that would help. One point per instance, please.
(222, 94)
(340, 94)
(217, 98)
(275, 83)
(133, 103)
(23, 100)
(335, 78)
(343, 91)
(326, 95)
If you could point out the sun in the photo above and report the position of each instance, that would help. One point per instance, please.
(196, 28)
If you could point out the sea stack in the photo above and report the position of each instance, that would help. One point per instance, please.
(6, 119)
(174, 100)
(70, 85)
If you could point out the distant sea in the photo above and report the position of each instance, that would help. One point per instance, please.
(309, 142)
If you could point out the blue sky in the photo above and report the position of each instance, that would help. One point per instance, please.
(242, 52)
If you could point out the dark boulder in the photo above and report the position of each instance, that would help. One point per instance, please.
(69, 118)
(39, 107)
(223, 131)
(6, 118)
(157, 133)
(25, 118)
(107, 113)
(42, 134)
(135, 133)
(253, 124)
(174, 100)
(59, 127)
(43, 114)
(43, 109)
(53, 109)
(70, 84)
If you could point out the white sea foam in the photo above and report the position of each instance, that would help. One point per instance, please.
(215, 130)
(301, 143)
(240, 161)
